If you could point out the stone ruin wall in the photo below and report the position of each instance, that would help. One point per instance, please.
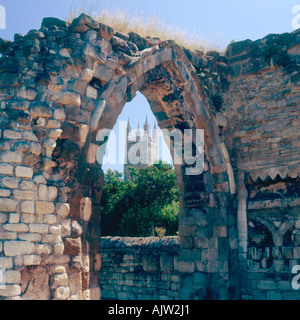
(140, 268)
(239, 221)
(264, 135)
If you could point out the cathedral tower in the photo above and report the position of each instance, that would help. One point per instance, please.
(142, 149)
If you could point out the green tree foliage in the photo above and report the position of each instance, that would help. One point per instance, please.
(149, 201)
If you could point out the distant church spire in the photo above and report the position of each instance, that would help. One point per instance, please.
(147, 127)
(128, 130)
(138, 133)
(128, 126)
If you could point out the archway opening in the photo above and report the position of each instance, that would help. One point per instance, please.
(180, 113)
(140, 194)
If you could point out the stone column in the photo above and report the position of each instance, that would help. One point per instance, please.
(242, 220)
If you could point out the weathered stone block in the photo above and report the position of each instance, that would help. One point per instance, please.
(49, 145)
(186, 242)
(53, 124)
(27, 207)
(25, 195)
(11, 134)
(35, 283)
(201, 242)
(50, 219)
(83, 23)
(39, 179)
(14, 218)
(50, 22)
(91, 93)
(59, 249)
(26, 94)
(62, 293)
(17, 227)
(4, 193)
(43, 192)
(284, 285)
(12, 157)
(85, 208)
(60, 115)
(106, 32)
(76, 229)
(91, 52)
(296, 253)
(6, 263)
(97, 114)
(72, 246)
(64, 53)
(38, 228)
(8, 235)
(28, 185)
(13, 277)
(186, 267)
(95, 294)
(51, 238)
(150, 263)
(32, 260)
(55, 134)
(103, 73)
(267, 285)
(185, 230)
(30, 136)
(68, 97)
(3, 218)
(17, 248)
(59, 280)
(35, 148)
(80, 86)
(11, 183)
(41, 111)
(10, 291)
(87, 75)
(8, 205)
(55, 229)
(6, 169)
(74, 113)
(31, 237)
(166, 263)
(44, 207)
(63, 209)
(24, 172)
(43, 249)
(57, 269)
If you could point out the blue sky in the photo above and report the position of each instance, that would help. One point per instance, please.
(231, 19)
(213, 19)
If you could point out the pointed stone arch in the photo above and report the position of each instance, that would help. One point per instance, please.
(72, 81)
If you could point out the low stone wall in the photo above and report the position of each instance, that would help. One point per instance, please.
(140, 268)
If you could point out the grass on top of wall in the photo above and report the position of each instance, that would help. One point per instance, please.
(149, 26)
